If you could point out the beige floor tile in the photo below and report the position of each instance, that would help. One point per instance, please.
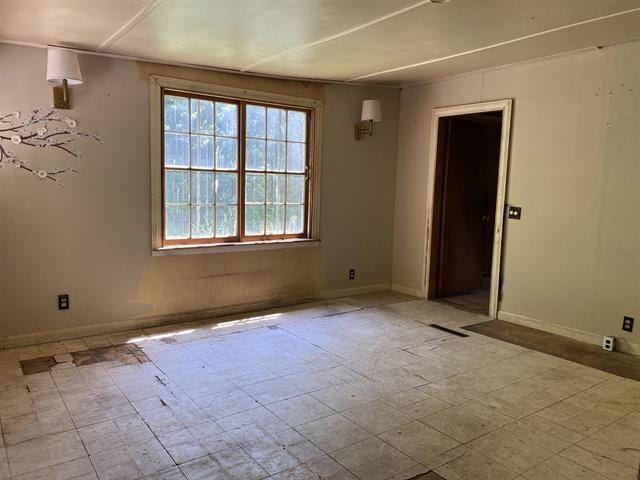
(173, 473)
(446, 457)
(249, 375)
(114, 433)
(301, 409)
(424, 407)
(45, 452)
(175, 416)
(376, 417)
(552, 428)
(312, 381)
(270, 454)
(272, 391)
(611, 447)
(96, 405)
(517, 446)
(129, 462)
(34, 425)
(251, 424)
(80, 469)
(601, 464)
(419, 441)
(405, 398)
(474, 466)
(231, 464)
(467, 421)
(226, 403)
(445, 390)
(624, 432)
(4, 464)
(372, 459)
(332, 433)
(195, 442)
(16, 402)
(296, 445)
(342, 397)
(417, 472)
(326, 468)
(300, 472)
(558, 468)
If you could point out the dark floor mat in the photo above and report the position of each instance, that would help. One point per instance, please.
(622, 364)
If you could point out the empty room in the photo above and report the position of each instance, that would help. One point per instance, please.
(319, 240)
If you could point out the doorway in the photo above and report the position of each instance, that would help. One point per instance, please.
(468, 181)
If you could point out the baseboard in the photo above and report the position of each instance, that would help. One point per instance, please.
(622, 344)
(414, 292)
(347, 292)
(168, 319)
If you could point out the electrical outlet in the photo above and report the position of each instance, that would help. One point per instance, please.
(63, 301)
(352, 274)
(627, 324)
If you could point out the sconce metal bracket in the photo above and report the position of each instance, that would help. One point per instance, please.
(61, 98)
(363, 129)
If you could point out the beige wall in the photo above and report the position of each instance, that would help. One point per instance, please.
(574, 259)
(92, 238)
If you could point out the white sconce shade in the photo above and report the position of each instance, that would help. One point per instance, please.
(371, 111)
(63, 65)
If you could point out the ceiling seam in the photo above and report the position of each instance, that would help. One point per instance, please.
(517, 63)
(349, 31)
(157, 61)
(495, 45)
(133, 21)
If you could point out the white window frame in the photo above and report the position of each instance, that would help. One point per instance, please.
(156, 85)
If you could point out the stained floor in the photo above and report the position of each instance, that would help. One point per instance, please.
(355, 388)
(618, 363)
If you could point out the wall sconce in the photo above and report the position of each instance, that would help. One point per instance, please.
(371, 112)
(62, 70)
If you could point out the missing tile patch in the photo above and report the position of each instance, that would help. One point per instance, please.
(448, 330)
(126, 354)
(37, 365)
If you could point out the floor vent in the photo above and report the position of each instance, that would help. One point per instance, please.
(448, 330)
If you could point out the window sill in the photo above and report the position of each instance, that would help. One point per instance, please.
(234, 247)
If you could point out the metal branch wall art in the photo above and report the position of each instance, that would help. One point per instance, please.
(42, 128)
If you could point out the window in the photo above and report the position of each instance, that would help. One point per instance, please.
(234, 169)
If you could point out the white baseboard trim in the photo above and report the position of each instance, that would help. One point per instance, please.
(581, 335)
(167, 319)
(414, 292)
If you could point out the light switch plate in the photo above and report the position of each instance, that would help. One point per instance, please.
(515, 213)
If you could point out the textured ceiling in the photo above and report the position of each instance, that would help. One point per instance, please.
(395, 42)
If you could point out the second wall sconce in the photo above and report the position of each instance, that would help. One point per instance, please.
(63, 70)
(371, 112)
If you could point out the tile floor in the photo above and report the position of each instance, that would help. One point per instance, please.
(355, 388)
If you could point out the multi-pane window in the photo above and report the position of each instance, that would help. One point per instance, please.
(274, 170)
(233, 170)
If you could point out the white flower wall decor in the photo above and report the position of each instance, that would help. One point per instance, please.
(42, 128)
